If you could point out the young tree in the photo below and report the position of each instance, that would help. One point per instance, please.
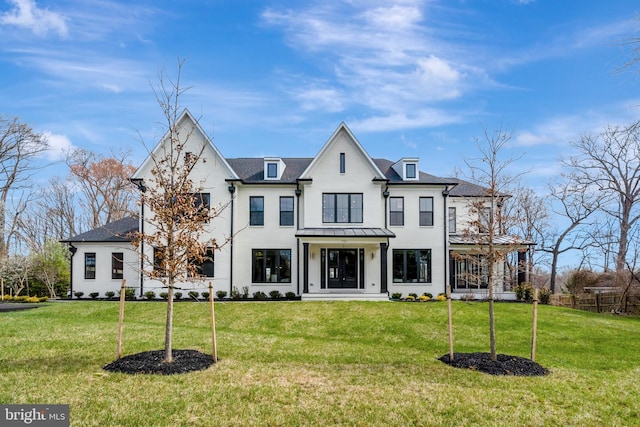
(20, 146)
(106, 194)
(178, 213)
(51, 265)
(486, 227)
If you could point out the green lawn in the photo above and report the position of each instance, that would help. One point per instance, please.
(323, 363)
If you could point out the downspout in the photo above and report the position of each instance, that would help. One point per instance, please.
(385, 193)
(445, 194)
(138, 183)
(384, 248)
(73, 251)
(232, 190)
(298, 193)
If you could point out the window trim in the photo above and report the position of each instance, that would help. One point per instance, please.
(276, 254)
(417, 253)
(115, 263)
(256, 217)
(343, 163)
(425, 212)
(452, 219)
(413, 168)
(272, 167)
(392, 212)
(334, 197)
(291, 212)
(90, 270)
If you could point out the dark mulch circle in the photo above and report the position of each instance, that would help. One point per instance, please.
(151, 362)
(505, 365)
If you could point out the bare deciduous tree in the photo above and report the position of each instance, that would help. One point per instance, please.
(609, 163)
(20, 146)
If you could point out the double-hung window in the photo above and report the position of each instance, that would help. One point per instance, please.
(256, 210)
(286, 210)
(426, 211)
(90, 265)
(396, 211)
(341, 208)
(271, 265)
(412, 265)
(117, 265)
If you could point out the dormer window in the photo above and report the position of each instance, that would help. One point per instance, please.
(410, 171)
(273, 168)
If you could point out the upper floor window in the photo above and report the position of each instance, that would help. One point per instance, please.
(90, 265)
(272, 170)
(286, 210)
(426, 211)
(204, 266)
(342, 208)
(256, 210)
(410, 172)
(452, 220)
(485, 219)
(342, 163)
(117, 265)
(396, 211)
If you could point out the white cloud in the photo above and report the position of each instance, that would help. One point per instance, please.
(58, 146)
(26, 14)
(399, 121)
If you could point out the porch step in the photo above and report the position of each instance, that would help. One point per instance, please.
(344, 297)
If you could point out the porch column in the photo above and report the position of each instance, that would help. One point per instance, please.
(383, 267)
(522, 267)
(305, 267)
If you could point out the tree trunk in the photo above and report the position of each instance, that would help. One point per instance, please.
(168, 334)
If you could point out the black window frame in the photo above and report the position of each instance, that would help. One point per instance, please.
(256, 216)
(286, 215)
(426, 216)
(272, 170)
(452, 219)
(402, 257)
(90, 269)
(411, 171)
(333, 208)
(259, 265)
(343, 164)
(206, 268)
(396, 216)
(117, 265)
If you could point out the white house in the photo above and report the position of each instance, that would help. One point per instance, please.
(337, 225)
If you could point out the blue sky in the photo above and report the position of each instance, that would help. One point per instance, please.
(410, 78)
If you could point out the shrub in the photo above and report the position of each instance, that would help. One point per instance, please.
(275, 294)
(150, 295)
(245, 292)
(221, 294)
(428, 294)
(396, 295)
(524, 292)
(205, 295)
(235, 294)
(424, 297)
(441, 297)
(177, 295)
(410, 298)
(544, 295)
(413, 295)
(259, 295)
(290, 295)
(109, 294)
(78, 294)
(7, 298)
(164, 295)
(43, 299)
(94, 295)
(129, 294)
(193, 294)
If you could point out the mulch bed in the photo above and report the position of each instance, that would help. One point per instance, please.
(505, 365)
(151, 362)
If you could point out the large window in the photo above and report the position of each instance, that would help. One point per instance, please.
(412, 265)
(426, 210)
(396, 211)
(117, 265)
(90, 265)
(286, 210)
(256, 210)
(469, 272)
(342, 208)
(452, 220)
(271, 265)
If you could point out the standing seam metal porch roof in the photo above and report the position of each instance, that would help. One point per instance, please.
(345, 232)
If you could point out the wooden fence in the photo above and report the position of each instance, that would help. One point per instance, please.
(612, 302)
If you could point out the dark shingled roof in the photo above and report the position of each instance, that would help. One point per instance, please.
(251, 170)
(385, 167)
(116, 231)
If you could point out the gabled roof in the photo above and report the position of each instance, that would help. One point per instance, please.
(343, 128)
(251, 170)
(185, 115)
(469, 189)
(117, 231)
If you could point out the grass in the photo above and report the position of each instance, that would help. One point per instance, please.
(323, 363)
